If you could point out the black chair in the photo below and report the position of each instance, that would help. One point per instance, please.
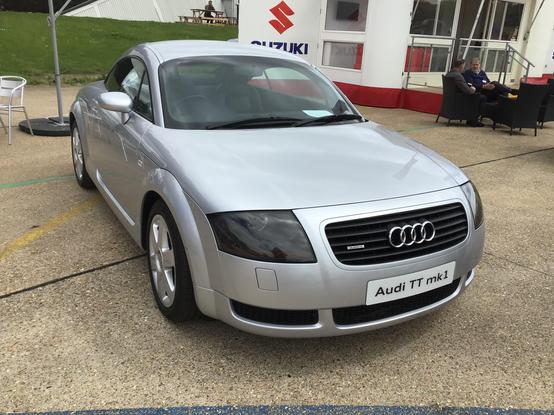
(522, 112)
(547, 108)
(455, 104)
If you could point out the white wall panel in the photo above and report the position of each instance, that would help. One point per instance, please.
(87, 11)
(387, 32)
(172, 9)
(541, 34)
(144, 10)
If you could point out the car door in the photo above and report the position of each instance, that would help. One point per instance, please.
(120, 170)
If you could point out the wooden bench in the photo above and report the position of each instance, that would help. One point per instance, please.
(215, 20)
(186, 19)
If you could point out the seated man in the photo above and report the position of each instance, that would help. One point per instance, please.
(208, 9)
(456, 73)
(479, 79)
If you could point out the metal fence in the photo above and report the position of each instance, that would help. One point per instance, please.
(434, 54)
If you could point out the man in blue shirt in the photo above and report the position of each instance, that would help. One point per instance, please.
(479, 79)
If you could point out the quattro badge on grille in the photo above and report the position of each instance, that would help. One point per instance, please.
(352, 247)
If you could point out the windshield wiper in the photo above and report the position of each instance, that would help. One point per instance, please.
(328, 119)
(254, 122)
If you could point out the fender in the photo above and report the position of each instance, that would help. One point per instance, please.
(192, 223)
(76, 112)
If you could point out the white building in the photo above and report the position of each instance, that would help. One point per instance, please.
(381, 52)
(388, 53)
(148, 10)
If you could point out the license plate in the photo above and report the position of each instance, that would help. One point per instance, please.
(394, 288)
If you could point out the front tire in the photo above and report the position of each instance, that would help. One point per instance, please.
(169, 271)
(78, 157)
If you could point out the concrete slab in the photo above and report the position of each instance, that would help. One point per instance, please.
(23, 209)
(98, 341)
(31, 157)
(92, 239)
(461, 144)
(518, 196)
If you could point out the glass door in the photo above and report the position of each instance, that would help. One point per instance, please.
(498, 24)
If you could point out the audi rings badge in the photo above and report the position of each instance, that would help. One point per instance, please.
(408, 235)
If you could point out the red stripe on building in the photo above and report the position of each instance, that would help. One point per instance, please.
(540, 79)
(414, 100)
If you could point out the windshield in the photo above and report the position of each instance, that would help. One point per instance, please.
(246, 92)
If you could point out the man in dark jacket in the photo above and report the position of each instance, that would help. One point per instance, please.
(209, 8)
(461, 84)
(479, 79)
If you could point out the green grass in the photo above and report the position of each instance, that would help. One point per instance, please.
(87, 47)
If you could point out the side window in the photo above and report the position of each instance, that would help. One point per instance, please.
(131, 83)
(129, 75)
(126, 77)
(118, 74)
(143, 102)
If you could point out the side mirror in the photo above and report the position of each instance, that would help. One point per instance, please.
(116, 101)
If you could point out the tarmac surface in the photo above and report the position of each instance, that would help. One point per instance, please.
(79, 328)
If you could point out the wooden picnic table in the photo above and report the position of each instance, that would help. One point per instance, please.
(198, 15)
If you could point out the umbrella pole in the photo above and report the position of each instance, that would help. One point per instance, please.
(52, 23)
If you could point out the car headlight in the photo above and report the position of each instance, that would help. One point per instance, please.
(474, 200)
(271, 236)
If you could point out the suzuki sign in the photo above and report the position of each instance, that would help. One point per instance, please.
(281, 22)
(289, 25)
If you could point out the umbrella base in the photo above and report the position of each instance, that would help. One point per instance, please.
(47, 127)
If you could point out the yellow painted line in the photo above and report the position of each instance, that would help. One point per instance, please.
(31, 236)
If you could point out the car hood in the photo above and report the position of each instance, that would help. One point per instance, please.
(291, 168)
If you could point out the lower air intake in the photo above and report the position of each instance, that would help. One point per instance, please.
(368, 313)
(274, 316)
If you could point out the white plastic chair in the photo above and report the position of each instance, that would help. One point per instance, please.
(11, 100)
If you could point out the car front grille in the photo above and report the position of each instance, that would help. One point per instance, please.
(275, 316)
(368, 313)
(366, 241)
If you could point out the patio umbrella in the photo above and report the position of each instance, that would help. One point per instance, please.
(52, 126)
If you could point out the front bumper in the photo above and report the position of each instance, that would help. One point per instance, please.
(326, 326)
(328, 284)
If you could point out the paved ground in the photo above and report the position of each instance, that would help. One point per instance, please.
(96, 340)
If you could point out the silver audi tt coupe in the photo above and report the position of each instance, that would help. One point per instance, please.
(264, 199)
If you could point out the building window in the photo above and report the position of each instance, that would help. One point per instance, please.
(343, 55)
(427, 59)
(507, 18)
(433, 17)
(346, 15)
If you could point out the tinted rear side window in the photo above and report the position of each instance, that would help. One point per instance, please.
(118, 74)
(126, 76)
(130, 76)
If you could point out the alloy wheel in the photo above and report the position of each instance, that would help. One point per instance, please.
(77, 154)
(162, 260)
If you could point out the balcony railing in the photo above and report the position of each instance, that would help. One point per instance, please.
(434, 54)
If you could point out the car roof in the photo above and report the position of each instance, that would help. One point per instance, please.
(173, 49)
